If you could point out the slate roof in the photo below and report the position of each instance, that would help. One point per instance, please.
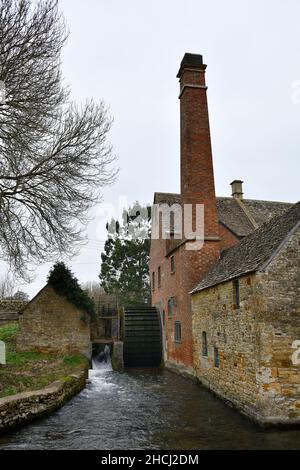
(232, 215)
(253, 251)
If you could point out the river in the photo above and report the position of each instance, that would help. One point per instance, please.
(145, 409)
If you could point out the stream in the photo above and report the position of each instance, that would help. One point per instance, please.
(145, 409)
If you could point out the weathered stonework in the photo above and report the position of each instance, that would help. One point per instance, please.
(20, 409)
(117, 360)
(256, 373)
(51, 324)
(9, 310)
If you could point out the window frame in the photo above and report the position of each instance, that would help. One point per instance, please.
(170, 307)
(159, 276)
(236, 294)
(204, 344)
(153, 280)
(172, 264)
(177, 328)
(216, 358)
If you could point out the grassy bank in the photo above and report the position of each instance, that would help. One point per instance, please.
(26, 371)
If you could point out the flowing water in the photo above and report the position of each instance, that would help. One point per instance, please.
(145, 409)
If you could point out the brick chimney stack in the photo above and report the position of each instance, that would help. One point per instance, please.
(197, 177)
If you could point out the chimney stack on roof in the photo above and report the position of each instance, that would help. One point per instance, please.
(237, 189)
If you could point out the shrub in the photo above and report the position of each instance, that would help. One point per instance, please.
(64, 283)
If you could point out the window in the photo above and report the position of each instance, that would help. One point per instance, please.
(236, 293)
(164, 318)
(216, 354)
(153, 280)
(172, 264)
(177, 332)
(204, 344)
(159, 277)
(170, 307)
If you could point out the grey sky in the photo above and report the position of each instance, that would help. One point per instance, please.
(128, 53)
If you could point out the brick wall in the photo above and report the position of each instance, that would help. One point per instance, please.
(255, 372)
(189, 267)
(227, 237)
(52, 324)
(197, 187)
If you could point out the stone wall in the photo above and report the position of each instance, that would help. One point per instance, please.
(254, 342)
(278, 378)
(9, 310)
(50, 323)
(20, 409)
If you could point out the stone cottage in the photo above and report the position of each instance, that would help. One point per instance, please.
(246, 323)
(175, 270)
(51, 324)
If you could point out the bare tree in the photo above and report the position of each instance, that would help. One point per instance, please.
(94, 289)
(7, 285)
(54, 156)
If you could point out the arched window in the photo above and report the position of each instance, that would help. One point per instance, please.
(204, 344)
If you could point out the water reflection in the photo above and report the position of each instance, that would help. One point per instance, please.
(145, 410)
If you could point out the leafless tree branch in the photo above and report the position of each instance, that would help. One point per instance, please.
(54, 156)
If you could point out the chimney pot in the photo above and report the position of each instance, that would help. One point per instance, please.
(237, 189)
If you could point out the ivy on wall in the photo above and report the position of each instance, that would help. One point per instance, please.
(64, 283)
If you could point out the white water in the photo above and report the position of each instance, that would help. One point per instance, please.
(100, 377)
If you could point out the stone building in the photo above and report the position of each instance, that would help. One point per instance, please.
(175, 270)
(9, 310)
(246, 323)
(51, 324)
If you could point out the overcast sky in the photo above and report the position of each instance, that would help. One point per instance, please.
(128, 53)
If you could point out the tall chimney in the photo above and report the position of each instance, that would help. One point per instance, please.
(237, 189)
(197, 176)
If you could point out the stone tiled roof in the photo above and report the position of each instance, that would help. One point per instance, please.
(262, 211)
(167, 198)
(231, 213)
(234, 217)
(253, 251)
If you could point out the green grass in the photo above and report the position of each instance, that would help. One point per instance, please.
(25, 371)
(8, 332)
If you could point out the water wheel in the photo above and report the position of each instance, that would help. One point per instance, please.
(142, 337)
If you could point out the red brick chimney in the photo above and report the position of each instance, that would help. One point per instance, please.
(197, 177)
